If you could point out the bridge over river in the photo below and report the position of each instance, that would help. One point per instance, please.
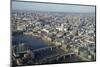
(51, 54)
(54, 54)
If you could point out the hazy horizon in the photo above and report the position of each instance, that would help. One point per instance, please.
(29, 6)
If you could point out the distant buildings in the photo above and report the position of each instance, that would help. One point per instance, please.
(69, 31)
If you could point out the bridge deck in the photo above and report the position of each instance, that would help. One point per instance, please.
(56, 56)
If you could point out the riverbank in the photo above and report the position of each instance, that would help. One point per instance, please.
(45, 39)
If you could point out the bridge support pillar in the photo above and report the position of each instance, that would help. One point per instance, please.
(63, 57)
(57, 58)
(51, 48)
(70, 56)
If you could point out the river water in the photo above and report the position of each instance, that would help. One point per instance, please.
(34, 42)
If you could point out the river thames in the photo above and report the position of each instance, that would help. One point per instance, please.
(34, 42)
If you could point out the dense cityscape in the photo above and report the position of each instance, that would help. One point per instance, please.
(69, 37)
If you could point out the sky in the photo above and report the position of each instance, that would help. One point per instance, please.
(52, 7)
